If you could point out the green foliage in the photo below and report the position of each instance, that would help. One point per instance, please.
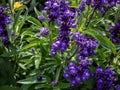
(20, 66)
(9, 88)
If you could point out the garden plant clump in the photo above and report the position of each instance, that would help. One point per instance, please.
(60, 45)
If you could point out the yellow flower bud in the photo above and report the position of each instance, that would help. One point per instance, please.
(17, 5)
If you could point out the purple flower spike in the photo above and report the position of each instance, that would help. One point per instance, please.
(115, 32)
(4, 20)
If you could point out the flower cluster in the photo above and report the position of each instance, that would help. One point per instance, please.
(87, 45)
(56, 8)
(81, 7)
(115, 32)
(61, 12)
(4, 20)
(105, 79)
(101, 5)
(77, 73)
(53, 7)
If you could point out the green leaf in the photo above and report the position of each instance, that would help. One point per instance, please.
(118, 47)
(34, 21)
(104, 41)
(31, 80)
(37, 12)
(58, 73)
(9, 88)
(63, 85)
(42, 86)
(89, 84)
(10, 54)
(20, 22)
(33, 44)
(22, 66)
(25, 87)
(37, 62)
(43, 50)
(6, 72)
(17, 16)
(74, 3)
(11, 2)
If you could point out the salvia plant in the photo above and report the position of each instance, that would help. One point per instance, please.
(59, 45)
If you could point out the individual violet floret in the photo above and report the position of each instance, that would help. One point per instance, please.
(54, 83)
(41, 18)
(33, 50)
(87, 45)
(118, 1)
(76, 74)
(44, 31)
(105, 79)
(40, 78)
(117, 87)
(115, 32)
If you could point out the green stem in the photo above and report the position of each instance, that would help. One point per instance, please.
(87, 15)
(91, 16)
(58, 73)
(76, 50)
(50, 35)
